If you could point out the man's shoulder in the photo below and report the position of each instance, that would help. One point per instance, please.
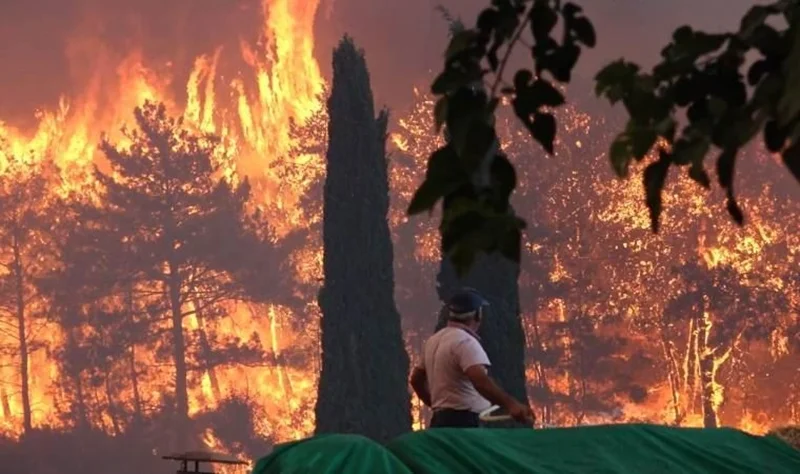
(454, 337)
(450, 333)
(446, 336)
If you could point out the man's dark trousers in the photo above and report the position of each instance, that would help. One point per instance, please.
(450, 418)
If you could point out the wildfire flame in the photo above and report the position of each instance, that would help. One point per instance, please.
(256, 114)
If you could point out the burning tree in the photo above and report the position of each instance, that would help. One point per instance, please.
(25, 221)
(173, 238)
(363, 383)
(722, 311)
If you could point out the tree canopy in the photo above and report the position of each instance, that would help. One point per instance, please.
(704, 95)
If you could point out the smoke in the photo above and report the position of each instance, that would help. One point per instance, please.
(403, 40)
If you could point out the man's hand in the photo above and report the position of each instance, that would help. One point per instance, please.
(522, 413)
(479, 377)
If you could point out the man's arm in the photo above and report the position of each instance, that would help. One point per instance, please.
(419, 382)
(479, 376)
(474, 362)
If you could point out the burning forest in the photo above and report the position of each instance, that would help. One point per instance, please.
(162, 256)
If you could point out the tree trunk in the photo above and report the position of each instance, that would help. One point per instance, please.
(205, 346)
(22, 333)
(137, 397)
(546, 402)
(179, 356)
(690, 369)
(284, 381)
(112, 407)
(75, 374)
(5, 404)
(706, 366)
(673, 375)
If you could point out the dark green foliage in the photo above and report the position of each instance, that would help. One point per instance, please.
(363, 386)
(470, 174)
(704, 76)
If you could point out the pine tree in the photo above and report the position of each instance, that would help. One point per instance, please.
(175, 231)
(25, 255)
(363, 386)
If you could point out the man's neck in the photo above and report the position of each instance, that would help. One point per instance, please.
(465, 327)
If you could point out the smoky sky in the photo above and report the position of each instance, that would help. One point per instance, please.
(44, 53)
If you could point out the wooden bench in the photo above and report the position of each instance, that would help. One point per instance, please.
(197, 457)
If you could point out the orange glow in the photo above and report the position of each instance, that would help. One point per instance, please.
(255, 115)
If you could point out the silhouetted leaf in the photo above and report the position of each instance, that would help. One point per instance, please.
(492, 56)
(530, 98)
(563, 61)
(666, 128)
(440, 113)
(543, 130)
(425, 197)
(460, 42)
(698, 111)
(789, 103)
(704, 43)
(464, 234)
(654, 176)
(699, 175)
(522, 78)
(442, 177)
(734, 210)
(685, 90)
(774, 137)
(504, 177)
(487, 21)
(451, 79)
(584, 31)
(734, 131)
(690, 149)
(546, 94)
(615, 79)
(543, 20)
(791, 158)
(620, 155)
(754, 17)
(725, 166)
(682, 34)
(642, 139)
(767, 40)
(757, 71)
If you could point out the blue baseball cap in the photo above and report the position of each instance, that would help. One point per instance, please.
(465, 303)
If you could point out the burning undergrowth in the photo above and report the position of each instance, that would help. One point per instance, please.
(698, 325)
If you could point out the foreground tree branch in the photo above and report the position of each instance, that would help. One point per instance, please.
(700, 75)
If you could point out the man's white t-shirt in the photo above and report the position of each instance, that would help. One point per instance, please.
(446, 355)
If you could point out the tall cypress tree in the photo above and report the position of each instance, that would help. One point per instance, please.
(363, 384)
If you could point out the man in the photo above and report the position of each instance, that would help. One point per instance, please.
(452, 376)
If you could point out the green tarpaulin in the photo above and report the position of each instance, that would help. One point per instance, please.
(612, 449)
(331, 454)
